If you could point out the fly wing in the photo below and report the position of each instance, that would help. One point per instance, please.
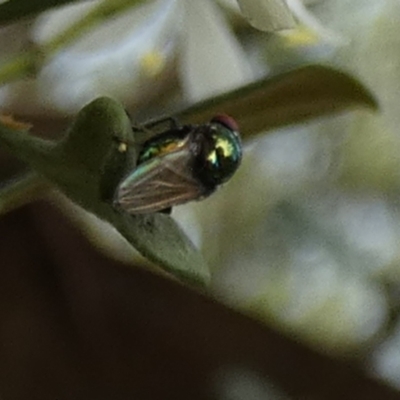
(160, 183)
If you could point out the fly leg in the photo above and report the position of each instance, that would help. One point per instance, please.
(171, 121)
(153, 128)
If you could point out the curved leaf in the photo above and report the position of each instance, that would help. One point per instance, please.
(286, 99)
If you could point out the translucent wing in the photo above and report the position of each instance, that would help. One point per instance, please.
(160, 183)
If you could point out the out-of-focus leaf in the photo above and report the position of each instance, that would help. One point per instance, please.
(286, 99)
(80, 166)
(14, 10)
(22, 191)
(267, 15)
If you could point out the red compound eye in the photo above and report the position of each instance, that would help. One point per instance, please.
(227, 121)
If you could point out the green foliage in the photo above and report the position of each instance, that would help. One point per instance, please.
(289, 98)
(13, 10)
(87, 164)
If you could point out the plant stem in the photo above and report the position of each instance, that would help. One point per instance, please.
(22, 191)
(20, 66)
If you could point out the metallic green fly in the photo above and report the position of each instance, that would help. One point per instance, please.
(181, 164)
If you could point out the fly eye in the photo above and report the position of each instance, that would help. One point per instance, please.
(222, 154)
(227, 121)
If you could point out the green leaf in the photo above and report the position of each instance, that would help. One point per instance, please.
(286, 99)
(88, 161)
(13, 10)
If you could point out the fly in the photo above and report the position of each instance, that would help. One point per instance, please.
(181, 164)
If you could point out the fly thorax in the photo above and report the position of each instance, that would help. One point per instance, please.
(166, 143)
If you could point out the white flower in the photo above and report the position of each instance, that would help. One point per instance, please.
(212, 59)
(133, 56)
(267, 15)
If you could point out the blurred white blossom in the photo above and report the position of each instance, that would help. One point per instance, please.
(133, 56)
(128, 57)
(267, 15)
(212, 59)
(386, 359)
